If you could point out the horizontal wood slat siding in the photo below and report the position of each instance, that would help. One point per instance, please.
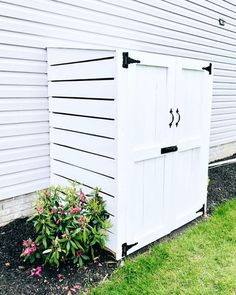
(82, 128)
(179, 28)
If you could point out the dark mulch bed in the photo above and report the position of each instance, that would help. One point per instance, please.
(222, 184)
(15, 275)
(15, 278)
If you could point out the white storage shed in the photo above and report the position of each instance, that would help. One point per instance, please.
(137, 125)
(196, 29)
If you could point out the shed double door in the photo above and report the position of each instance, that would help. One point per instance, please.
(169, 103)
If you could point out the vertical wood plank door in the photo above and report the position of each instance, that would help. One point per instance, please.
(192, 109)
(168, 126)
(151, 96)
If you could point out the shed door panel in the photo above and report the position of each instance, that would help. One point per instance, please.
(152, 97)
(166, 189)
(191, 136)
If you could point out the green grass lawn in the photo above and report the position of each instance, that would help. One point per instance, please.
(200, 261)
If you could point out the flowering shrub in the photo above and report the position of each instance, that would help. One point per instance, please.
(69, 225)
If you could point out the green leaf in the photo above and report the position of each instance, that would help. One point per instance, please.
(73, 244)
(73, 251)
(47, 230)
(44, 242)
(68, 247)
(81, 263)
(85, 257)
(84, 236)
(47, 251)
(38, 255)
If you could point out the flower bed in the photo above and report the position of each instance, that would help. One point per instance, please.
(16, 277)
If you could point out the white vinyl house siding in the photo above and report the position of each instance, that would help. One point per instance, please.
(178, 28)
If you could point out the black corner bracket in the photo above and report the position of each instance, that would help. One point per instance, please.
(208, 68)
(128, 60)
(201, 210)
(126, 247)
(221, 22)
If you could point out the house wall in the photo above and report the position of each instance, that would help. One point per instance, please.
(179, 28)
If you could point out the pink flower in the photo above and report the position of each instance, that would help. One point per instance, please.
(80, 195)
(78, 253)
(52, 211)
(75, 210)
(33, 247)
(36, 272)
(83, 199)
(82, 220)
(40, 210)
(77, 287)
(27, 252)
(26, 242)
(60, 277)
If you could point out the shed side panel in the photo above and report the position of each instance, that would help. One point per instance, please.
(178, 28)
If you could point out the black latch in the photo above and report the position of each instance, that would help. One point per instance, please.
(126, 247)
(208, 69)
(202, 209)
(128, 60)
(169, 149)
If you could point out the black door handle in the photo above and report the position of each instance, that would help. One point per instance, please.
(172, 118)
(177, 112)
(169, 149)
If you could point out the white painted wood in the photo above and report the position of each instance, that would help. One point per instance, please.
(166, 181)
(58, 56)
(80, 155)
(82, 70)
(85, 177)
(83, 107)
(150, 91)
(186, 29)
(84, 160)
(82, 124)
(89, 89)
(84, 142)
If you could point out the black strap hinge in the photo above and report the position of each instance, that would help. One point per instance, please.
(126, 247)
(208, 68)
(128, 60)
(202, 209)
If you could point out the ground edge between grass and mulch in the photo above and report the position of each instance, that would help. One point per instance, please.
(200, 261)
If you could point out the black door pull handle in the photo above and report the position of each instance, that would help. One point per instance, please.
(172, 118)
(169, 149)
(177, 112)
